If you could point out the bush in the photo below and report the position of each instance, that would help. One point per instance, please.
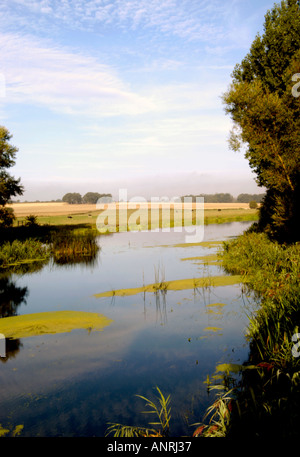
(252, 204)
(7, 217)
(31, 220)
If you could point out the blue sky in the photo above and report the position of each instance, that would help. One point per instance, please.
(108, 94)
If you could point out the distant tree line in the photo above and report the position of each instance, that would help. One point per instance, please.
(227, 198)
(74, 198)
(247, 198)
(212, 198)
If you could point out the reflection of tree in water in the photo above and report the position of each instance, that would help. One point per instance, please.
(11, 296)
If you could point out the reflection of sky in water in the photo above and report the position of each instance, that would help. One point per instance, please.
(75, 383)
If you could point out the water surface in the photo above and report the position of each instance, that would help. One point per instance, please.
(74, 384)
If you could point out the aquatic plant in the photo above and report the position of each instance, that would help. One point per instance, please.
(28, 325)
(160, 408)
(69, 245)
(219, 412)
(267, 398)
(11, 433)
(17, 252)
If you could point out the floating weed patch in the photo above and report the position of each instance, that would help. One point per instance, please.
(205, 244)
(212, 329)
(178, 284)
(51, 322)
(219, 305)
(212, 259)
(233, 368)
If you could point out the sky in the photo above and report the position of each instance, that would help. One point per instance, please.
(103, 95)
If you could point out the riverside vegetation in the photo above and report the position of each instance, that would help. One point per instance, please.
(35, 245)
(265, 401)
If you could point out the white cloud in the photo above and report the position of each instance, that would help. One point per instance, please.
(189, 19)
(66, 82)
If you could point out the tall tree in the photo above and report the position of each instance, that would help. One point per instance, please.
(9, 186)
(266, 117)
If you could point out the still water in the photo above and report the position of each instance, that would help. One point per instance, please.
(74, 384)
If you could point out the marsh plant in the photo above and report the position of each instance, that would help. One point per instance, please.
(268, 397)
(160, 283)
(159, 408)
(17, 252)
(218, 415)
(69, 246)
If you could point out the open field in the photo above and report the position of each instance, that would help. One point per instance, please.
(155, 214)
(49, 209)
(57, 208)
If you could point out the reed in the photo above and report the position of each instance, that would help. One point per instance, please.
(159, 408)
(69, 245)
(268, 396)
(18, 252)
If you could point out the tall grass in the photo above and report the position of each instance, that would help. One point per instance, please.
(161, 410)
(31, 243)
(68, 245)
(18, 252)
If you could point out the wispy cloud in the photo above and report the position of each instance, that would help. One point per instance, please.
(189, 19)
(40, 73)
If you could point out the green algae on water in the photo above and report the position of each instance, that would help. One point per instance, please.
(212, 329)
(217, 304)
(211, 259)
(178, 284)
(28, 325)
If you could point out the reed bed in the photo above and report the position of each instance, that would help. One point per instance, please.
(265, 402)
(18, 252)
(67, 245)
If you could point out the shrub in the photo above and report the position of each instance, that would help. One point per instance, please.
(252, 204)
(7, 217)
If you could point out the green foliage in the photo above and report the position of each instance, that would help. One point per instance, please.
(212, 198)
(93, 197)
(90, 198)
(70, 246)
(72, 198)
(252, 204)
(267, 398)
(9, 186)
(31, 220)
(247, 198)
(219, 416)
(17, 252)
(7, 217)
(160, 408)
(266, 117)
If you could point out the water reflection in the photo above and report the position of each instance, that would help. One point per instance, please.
(11, 296)
(82, 381)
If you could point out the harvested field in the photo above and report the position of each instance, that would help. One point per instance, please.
(62, 209)
(49, 209)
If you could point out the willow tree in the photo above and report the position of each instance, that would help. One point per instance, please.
(9, 186)
(263, 101)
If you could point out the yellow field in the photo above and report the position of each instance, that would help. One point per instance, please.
(62, 209)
